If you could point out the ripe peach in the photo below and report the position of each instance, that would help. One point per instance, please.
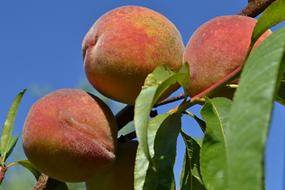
(70, 135)
(124, 46)
(217, 48)
(121, 176)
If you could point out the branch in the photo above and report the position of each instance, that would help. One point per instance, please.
(219, 84)
(41, 183)
(127, 114)
(199, 98)
(170, 100)
(255, 7)
(128, 137)
(3, 170)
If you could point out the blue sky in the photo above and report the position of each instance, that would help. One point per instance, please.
(40, 49)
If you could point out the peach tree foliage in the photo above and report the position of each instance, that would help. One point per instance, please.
(231, 153)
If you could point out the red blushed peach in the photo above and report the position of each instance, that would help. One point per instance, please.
(70, 135)
(124, 46)
(217, 48)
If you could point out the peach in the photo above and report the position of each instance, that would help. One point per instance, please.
(124, 46)
(70, 135)
(121, 176)
(217, 48)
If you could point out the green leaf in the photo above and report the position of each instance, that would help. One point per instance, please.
(29, 166)
(193, 150)
(142, 166)
(185, 82)
(12, 144)
(190, 177)
(186, 174)
(52, 184)
(250, 114)
(159, 174)
(280, 97)
(197, 184)
(213, 150)
(272, 15)
(156, 84)
(6, 139)
(129, 128)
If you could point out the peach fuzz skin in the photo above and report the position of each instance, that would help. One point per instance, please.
(217, 48)
(70, 135)
(121, 175)
(124, 46)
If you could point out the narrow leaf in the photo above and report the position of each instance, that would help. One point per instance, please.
(272, 15)
(193, 150)
(8, 126)
(142, 166)
(197, 184)
(250, 114)
(158, 175)
(29, 166)
(186, 174)
(190, 177)
(213, 151)
(280, 97)
(52, 184)
(187, 179)
(156, 84)
(12, 144)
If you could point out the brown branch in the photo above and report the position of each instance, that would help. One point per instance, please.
(170, 100)
(3, 170)
(199, 98)
(126, 115)
(255, 7)
(219, 84)
(128, 137)
(41, 183)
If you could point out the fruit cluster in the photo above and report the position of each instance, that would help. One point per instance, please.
(71, 135)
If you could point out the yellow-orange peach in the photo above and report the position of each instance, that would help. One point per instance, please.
(121, 176)
(70, 135)
(124, 46)
(217, 48)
